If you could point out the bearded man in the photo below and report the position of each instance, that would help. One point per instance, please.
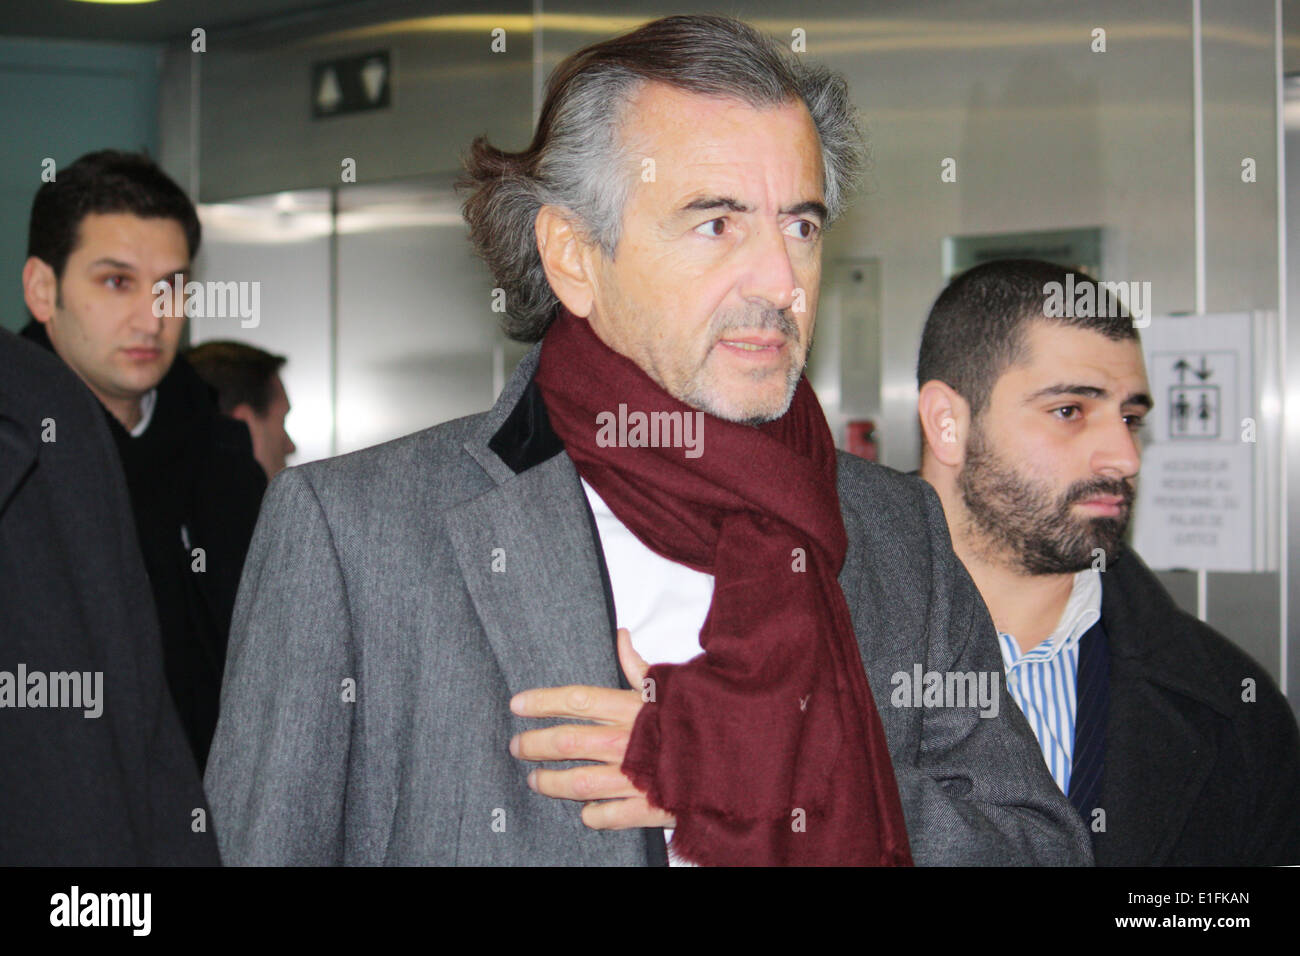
(1175, 747)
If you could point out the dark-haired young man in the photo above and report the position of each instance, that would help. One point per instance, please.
(108, 229)
(1031, 427)
(249, 388)
(412, 612)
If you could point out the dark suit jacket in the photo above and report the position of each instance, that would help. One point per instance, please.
(118, 789)
(1194, 774)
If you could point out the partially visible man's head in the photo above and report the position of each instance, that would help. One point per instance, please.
(108, 228)
(249, 388)
(1030, 421)
(674, 195)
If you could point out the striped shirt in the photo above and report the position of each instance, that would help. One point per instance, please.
(1042, 680)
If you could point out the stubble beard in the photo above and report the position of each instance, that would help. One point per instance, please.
(702, 391)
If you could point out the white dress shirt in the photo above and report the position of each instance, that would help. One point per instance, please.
(662, 603)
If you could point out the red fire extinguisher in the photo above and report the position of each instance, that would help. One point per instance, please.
(861, 438)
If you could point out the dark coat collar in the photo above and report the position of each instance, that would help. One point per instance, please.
(513, 436)
(526, 437)
(1155, 637)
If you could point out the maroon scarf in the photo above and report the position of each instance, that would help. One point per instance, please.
(767, 747)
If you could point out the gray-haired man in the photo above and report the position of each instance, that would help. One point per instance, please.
(661, 239)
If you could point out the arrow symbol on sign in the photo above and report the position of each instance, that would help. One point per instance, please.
(1181, 368)
(373, 75)
(1203, 373)
(329, 95)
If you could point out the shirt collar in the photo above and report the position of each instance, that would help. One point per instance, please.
(147, 404)
(1082, 611)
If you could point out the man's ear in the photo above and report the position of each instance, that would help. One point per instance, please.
(40, 288)
(567, 259)
(244, 412)
(945, 421)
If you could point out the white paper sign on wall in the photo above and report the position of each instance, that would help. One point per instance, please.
(1195, 505)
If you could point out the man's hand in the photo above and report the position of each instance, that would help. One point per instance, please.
(614, 712)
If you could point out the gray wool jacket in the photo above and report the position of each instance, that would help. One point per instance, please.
(374, 649)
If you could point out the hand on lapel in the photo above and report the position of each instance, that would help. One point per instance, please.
(612, 803)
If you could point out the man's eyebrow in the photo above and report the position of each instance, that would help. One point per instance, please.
(805, 207)
(1088, 391)
(113, 264)
(735, 205)
(716, 202)
(130, 267)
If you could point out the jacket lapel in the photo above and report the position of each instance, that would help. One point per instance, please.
(526, 550)
(17, 446)
(17, 457)
(529, 553)
(528, 559)
(1158, 754)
